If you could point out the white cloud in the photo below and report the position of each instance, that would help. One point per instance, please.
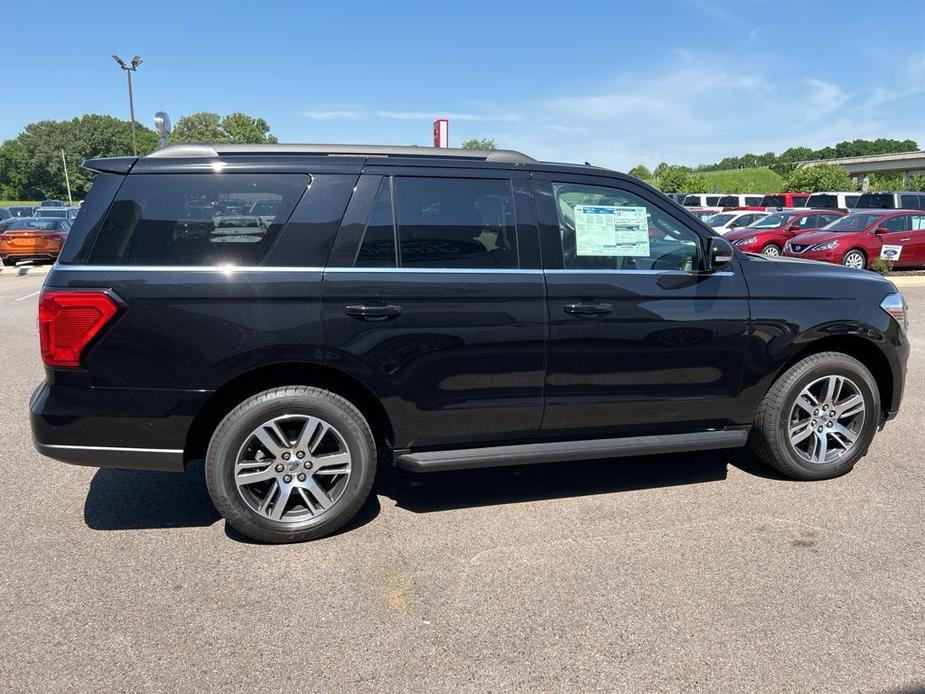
(431, 115)
(333, 113)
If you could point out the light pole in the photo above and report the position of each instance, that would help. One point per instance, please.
(129, 69)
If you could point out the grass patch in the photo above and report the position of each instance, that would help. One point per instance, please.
(19, 203)
(754, 180)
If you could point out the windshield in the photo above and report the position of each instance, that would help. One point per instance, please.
(717, 220)
(853, 222)
(822, 200)
(51, 212)
(33, 224)
(772, 221)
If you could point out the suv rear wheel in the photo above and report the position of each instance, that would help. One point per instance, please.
(291, 464)
(818, 418)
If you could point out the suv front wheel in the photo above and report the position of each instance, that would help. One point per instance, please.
(818, 418)
(291, 464)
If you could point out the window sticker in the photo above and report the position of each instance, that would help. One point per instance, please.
(603, 230)
(888, 252)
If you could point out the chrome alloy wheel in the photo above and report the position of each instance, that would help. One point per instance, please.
(854, 260)
(827, 419)
(293, 468)
(772, 251)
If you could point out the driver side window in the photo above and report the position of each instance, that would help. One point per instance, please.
(610, 229)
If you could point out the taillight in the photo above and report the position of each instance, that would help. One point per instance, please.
(68, 321)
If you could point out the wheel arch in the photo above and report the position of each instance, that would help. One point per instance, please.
(861, 349)
(249, 383)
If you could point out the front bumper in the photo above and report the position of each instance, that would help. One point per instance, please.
(830, 256)
(113, 427)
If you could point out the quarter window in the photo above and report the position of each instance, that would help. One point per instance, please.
(196, 219)
(609, 229)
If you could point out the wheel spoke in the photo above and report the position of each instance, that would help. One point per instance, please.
(279, 506)
(307, 433)
(243, 479)
(272, 439)
(333, 464)
(807, 402)
(850, 407)
(320, 433)
(844, 431)
(800, 432)
(821, 449)
(318, 494)
(265, 503)
(833, 388)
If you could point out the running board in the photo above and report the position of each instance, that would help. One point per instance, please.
(559, 451)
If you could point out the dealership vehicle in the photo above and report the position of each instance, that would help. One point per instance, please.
(833, 200)
(739, 200)
(53, 203)
(21, 211)
(435, 309)
(863, 236)
(769, 234)
(33, 238)
(784, 200)
(702, 200)
(4, 223)
(723, 222)
(901, 200)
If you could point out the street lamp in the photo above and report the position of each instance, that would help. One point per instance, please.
(129, 69)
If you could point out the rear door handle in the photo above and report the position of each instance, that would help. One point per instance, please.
(372, 312)
(588, 309)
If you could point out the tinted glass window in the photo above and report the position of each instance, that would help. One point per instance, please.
(822, 200)
(378, 246)
(876, 201)
(853, 222)
(728, 201)
(810, 221)
(800, 200)
(35, 224)
(455, 223)
(692, 201)
(611, 229)
(195, 219)
(713, 200)
(753, 201)
(851, 200)
(773, 201)
(912, 202)
(901, 222)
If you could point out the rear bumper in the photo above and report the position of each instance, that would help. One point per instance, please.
(112, 427)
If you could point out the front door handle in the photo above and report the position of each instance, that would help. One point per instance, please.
(588, 309)
(908, 238)
(372, 312)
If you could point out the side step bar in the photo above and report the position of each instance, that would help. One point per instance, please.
(559, 451)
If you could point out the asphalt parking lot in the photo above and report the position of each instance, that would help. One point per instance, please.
(682, 573)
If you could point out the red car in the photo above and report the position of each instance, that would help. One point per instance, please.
(784, 200)
(768, 235)
(863, 236)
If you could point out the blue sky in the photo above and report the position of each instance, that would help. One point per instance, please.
(613, 83)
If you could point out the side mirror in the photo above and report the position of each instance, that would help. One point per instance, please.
(881, 230)
(719, 254)
(794, 228)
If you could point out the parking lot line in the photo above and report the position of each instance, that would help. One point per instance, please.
(29, 296)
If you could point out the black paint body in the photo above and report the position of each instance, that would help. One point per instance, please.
(474, 358)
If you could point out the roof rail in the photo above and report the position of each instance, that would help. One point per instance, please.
(206, 150)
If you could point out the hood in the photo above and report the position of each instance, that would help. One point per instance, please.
(745, 232)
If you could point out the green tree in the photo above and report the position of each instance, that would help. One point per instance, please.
(205, 126)
(30, 164)
(671, 179)
(474, 143)
(812, 179)
(915, 183)
(640, 171)
(696, 183)
(885, 182)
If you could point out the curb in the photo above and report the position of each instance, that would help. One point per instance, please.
(908, 280)
(25, 269)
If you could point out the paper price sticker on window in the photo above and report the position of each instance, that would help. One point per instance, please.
(603, 230)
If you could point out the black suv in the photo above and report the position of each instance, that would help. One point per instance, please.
(297, 315)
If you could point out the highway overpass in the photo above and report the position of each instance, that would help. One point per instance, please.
(906, 163)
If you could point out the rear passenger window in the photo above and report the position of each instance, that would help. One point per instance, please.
(455, 223)
(378, 246)
(196, 219)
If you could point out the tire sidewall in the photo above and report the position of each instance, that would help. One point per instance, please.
(233, 432)
(868, 387)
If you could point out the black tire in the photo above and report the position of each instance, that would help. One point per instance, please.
(858, 252)
(772, 249)
(235, 429)
(770, 437)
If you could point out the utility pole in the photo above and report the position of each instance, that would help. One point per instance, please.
(67, 180)
(129, 69)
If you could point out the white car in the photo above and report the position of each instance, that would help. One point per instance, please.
(734, 219)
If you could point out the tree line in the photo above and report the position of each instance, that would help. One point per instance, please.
(32, 168)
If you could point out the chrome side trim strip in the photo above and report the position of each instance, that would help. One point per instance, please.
(722, 273)
(436, 270)
(224, 269)
(171, 451)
